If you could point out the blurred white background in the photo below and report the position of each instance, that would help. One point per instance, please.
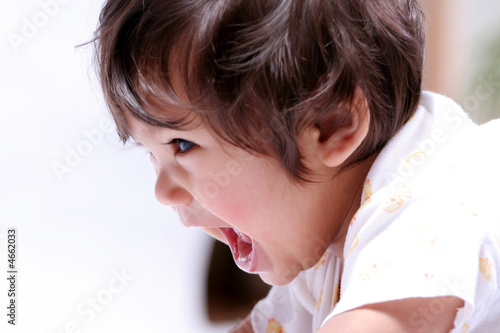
(463, 54)
(83, 205)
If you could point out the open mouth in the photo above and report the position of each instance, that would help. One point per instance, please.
(241, 247)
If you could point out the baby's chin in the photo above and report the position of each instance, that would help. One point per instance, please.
(272, 277)
(278, 278)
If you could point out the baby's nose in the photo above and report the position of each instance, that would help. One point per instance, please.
(169, 192)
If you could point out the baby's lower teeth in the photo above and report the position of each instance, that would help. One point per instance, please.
(243, 247)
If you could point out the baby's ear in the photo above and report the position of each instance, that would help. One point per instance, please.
(337, 148)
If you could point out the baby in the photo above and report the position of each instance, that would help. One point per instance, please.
(296, 132)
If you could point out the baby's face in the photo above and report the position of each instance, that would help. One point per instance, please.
(274, 226)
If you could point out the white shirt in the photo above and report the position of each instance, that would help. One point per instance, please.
(428, 226)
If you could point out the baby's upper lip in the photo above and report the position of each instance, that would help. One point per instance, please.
(198, 218)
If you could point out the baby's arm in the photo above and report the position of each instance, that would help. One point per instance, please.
(401, 316)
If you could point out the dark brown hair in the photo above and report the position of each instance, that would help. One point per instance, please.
(257, 72)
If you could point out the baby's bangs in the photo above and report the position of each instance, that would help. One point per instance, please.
(150, 100)
(136, 71)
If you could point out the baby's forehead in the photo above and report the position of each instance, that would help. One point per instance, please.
(142, 133)
(151, 117)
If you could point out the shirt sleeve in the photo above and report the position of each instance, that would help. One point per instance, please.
(426, 247)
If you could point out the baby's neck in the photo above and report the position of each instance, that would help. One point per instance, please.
(356, 176)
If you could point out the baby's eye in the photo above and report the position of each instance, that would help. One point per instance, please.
(182, 146)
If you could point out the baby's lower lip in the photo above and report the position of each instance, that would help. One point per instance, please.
(242, 247)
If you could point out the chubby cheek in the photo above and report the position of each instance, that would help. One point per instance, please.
(227, 188)
(230, 202)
